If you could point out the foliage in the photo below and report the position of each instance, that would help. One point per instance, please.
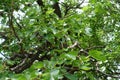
(54, 40)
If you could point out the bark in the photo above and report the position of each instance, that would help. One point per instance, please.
(55, 6)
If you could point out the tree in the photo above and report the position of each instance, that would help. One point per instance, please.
(54, 40)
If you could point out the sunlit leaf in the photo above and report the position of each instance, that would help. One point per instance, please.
(97, 55)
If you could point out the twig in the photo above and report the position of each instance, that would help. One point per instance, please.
(18, 24)
(11, 21)
(74, 45)
(94, 47)
(83, 51)
(4, 55)
(108, 75)
(3, 35)
(79, 4)
(72, 7)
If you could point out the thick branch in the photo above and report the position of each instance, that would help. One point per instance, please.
(55, 6)
(40, 2)
(57, 9)
(25, 63)
(69, 7)
(11, 25)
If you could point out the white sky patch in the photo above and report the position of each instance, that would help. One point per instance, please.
(22, 6)
(61, 1)
(88, 31)
(1, 41)
(19, 14)
(2, 55)
(79, 10)
(0, 22)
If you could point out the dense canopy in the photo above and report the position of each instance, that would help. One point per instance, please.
(59, 39)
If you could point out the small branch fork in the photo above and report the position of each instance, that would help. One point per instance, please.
(72, 69)
(76, 44)
(55, 6)
(108, 75)
(57, 10)
(69, 7)
(27, 60)
(11, 21)
(12, 27)
(10, 16)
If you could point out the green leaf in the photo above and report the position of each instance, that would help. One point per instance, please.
(85, 68)
(55, 0)
(21, 77)
(10, 62)
(98, 55)
(72, 55)
(38, 65)
(91, 76)
(50, 11)
(71, 76)
(54, 74)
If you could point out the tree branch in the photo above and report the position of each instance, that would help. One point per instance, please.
(107, 75)
(11, 24)
(4, 55)
(40, 2)
(25, 63)
(55, 6)
(94, 47)
(69, 7)
(20, 27)
(57, 10)
(74, 45)
(3, 35)
(12, 27)
(72, 69)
